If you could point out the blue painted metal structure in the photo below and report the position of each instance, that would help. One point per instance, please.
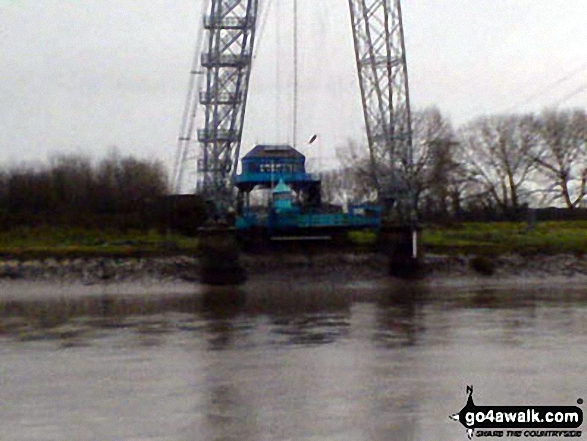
(294, 219)
(295, 205)
(265, 165)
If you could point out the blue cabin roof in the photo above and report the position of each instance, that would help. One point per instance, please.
(266, 165)
(274, 151)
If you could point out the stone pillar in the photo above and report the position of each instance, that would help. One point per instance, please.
(219, 256)
(402, 246)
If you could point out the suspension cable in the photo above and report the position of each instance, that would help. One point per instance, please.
(295, 91)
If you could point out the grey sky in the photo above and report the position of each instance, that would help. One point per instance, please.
(87, 75)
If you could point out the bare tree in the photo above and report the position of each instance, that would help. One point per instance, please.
(123, 181)
(3, 189)
(433, 165)
(423, 176)
(72, 181)
(29, 189)
(71, 186)
(561, 159)
(497, 154)
(358, 184)
(332, 187)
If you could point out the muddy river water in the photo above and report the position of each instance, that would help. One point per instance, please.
(281, 358)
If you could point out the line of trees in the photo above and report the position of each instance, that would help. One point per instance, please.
(74, 190)
(496, 164)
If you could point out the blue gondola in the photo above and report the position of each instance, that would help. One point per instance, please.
(295, 208)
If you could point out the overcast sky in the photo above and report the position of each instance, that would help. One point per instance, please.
(86, 75)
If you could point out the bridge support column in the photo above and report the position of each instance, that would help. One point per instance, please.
(219, 256)
(402, 245)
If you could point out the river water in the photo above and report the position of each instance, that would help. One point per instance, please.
(281, 358)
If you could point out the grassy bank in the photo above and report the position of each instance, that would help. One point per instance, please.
(463, 238)
(507, 237)
(41, 242)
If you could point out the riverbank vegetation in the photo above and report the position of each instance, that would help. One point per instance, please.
(470, 238)
(63, 242)
(494, 238)
(491, 168)
(74, 206)
(115, 194)
(74, 190)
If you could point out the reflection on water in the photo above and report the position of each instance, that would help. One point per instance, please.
(283, 359)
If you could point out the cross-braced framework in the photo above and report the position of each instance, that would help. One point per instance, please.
(383, 78)
(226, 64)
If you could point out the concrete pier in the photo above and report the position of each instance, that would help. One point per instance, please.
(402, 246)
(220, 253)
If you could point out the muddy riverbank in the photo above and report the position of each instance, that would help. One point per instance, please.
(345, 266)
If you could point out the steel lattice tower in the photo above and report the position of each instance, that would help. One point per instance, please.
(383, 78)
(229, 40)
(381, 65)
